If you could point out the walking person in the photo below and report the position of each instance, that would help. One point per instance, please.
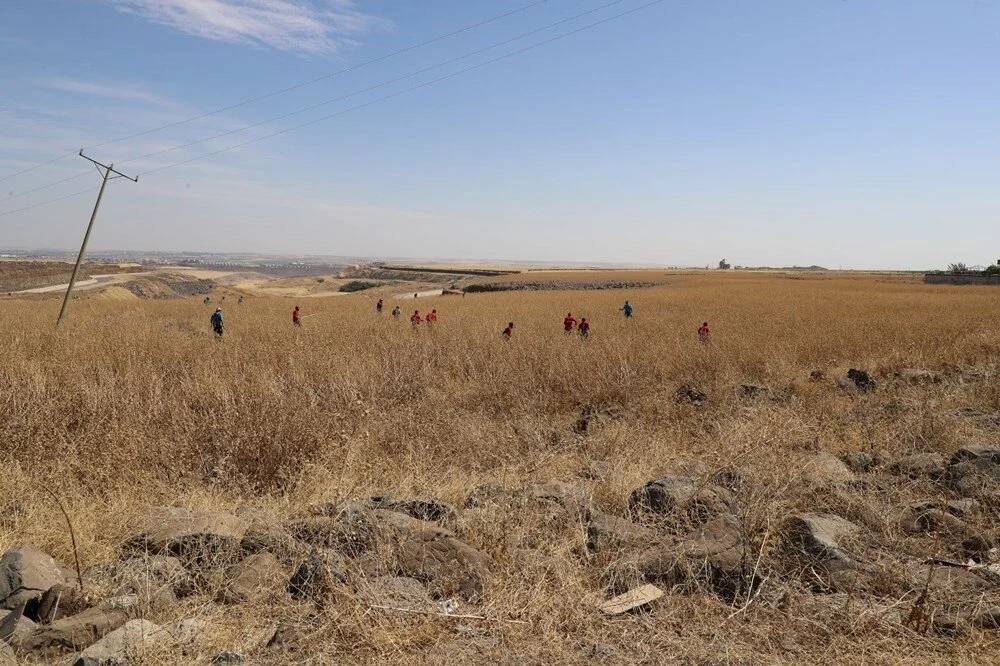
(431, 318)
(396, 312)
(705, 333)
(296, 316)
(627, 309)
(584, 328)
(378, 306)
(415, 319)
(568, 323)
(216, 321)
(508, 332)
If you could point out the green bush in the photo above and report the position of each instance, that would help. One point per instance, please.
(358, 285)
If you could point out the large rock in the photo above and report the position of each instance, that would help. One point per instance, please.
(607, 532)
(121, 646)
(974, 471)
(826, 469)
(146, 575)
(712, 556)
(25, 575)
(817, 539)
(14, 626)
(927, 465)
(83, 629)
(257, 576)
(196, 537)
(446, 564)
(700, 501)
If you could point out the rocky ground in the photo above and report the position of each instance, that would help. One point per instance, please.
(856, 560)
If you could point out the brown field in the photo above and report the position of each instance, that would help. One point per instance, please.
(133, 404)
(18, 275)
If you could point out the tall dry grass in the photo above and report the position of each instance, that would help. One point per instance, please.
(131, 405)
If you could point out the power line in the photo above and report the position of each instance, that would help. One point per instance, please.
(341, 98)
(296, 86)
(420, 86)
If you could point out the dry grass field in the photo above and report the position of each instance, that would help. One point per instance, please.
(134, 404)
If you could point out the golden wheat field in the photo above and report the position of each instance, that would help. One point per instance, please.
(537, 443)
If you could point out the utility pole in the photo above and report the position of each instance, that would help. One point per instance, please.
(105, 170)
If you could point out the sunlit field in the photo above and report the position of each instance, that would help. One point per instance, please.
(133, 404)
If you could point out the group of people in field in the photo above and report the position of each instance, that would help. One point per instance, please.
(571, 324)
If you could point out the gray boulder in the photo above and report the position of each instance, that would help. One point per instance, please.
(123, 645)
(699, 501)
(25, 575)
(974, 471)
(76, 632)
(196, 537)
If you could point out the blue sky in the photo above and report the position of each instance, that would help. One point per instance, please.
(837, 132)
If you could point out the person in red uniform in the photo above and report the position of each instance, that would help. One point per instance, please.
(568, 323)
(378, 306)
(296, 316)
(508, 332)
(584, 327)
(432, 317)
(415, 319)
(704, 333)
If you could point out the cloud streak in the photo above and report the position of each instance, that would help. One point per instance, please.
(118, 92)
(302, 26)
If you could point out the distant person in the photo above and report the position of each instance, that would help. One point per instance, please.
(705, 333)
(415, 319)
(240, 302)
(414, 295)
(297, 316)
(396, 312)
(584, 328)
(568, 323)
(508, 332)
(432, 317)
(627, 309)
(207, 300)
(217, 324)
(378, 306)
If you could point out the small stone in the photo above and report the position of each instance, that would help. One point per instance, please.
(632, 600)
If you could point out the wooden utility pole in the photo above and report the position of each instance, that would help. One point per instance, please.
(105, 170)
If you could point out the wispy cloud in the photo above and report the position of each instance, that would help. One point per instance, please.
(305, 26)
(122, 92)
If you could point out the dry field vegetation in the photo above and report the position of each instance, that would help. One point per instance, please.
(134, 405)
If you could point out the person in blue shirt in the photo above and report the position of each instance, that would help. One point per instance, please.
(627, 309)
(217, 321)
